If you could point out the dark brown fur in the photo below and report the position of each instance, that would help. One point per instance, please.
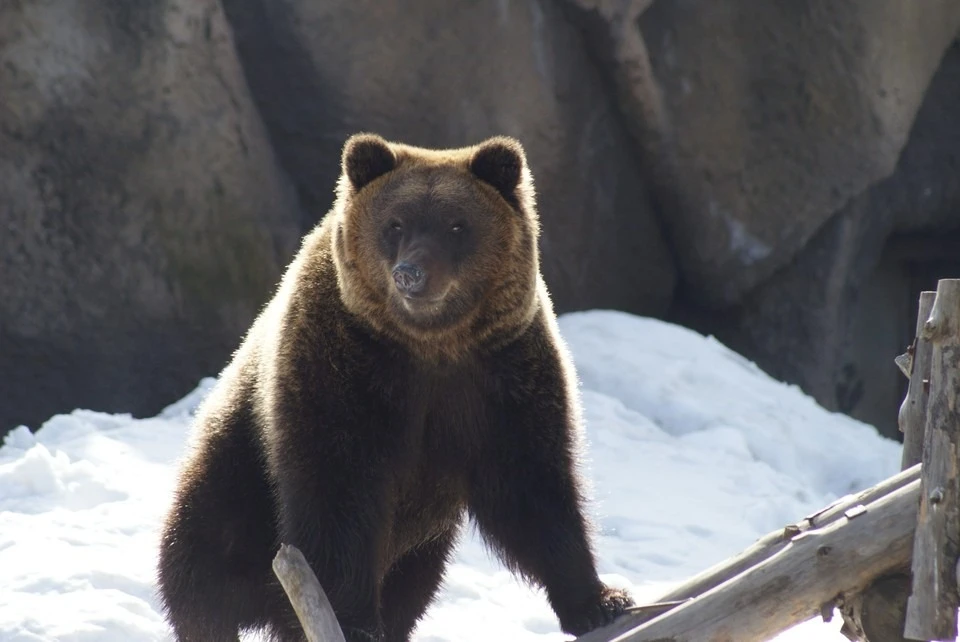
(362, 426)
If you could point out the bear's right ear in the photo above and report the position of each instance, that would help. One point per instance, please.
(366, 157)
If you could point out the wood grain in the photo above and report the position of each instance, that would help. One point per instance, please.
(932, 607)
(306, 595)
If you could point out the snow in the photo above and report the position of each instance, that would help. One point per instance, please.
(692, 452)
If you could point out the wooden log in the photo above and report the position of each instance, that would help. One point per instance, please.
(932, 607)
(846, 512)
(913, 411)
(807, 578)
(309, 601)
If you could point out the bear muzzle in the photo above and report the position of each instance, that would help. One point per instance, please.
(410, 279)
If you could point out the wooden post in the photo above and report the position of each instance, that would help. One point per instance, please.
(309, 601)
(913, 411)
(932, 607)
(878, 614)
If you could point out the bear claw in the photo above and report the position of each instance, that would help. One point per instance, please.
(600, 611)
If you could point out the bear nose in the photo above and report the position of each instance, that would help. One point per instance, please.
(409, 278)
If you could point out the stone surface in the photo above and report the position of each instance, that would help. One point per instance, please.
(928, 193)
(143, 217)
(762, 119)
(441, 74)
(792, 163)
(833, 319)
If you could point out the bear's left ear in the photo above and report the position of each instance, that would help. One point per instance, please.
(366, 157)
(500, 161)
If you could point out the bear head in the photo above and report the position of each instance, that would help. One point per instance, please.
(437, 245)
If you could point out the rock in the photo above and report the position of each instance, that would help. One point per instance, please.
(442, 74)
(760, 120)
(796, 325)
(143, 217)
(833, 319)
(928, 194)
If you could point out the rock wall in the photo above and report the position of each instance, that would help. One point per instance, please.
(780, 174)
(143, 217)
(833, 318)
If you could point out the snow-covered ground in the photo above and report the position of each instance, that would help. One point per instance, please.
(693, 454)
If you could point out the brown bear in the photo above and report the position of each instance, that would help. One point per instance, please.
(408, 373)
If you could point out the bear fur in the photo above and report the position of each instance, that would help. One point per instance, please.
(408, 373)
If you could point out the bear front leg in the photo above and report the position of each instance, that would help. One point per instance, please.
(412, 583)
(337, 521)
(527, 506)
(525, 494)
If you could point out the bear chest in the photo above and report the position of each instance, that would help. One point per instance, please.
(442, 423)
(443, 419)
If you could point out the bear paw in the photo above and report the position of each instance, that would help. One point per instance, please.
(599, 611)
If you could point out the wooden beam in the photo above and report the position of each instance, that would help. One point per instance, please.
(309, 601)
(807, 578)
(913, 410)
(766, 556)
(932, 607)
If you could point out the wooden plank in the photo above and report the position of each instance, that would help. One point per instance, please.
(309, 601)
(932, 607)
(804, 579)
(765, 548)
(913, 411)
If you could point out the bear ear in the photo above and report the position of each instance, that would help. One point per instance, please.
(500, 161)
(366, 157)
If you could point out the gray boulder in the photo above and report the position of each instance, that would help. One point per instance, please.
(762, 119)
(144, 219)
(833, 319)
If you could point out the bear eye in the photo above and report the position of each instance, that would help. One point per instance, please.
(395, 226)
(456, 228)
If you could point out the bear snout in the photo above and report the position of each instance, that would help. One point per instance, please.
(410, 279)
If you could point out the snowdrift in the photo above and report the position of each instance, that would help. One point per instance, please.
(693, 453)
